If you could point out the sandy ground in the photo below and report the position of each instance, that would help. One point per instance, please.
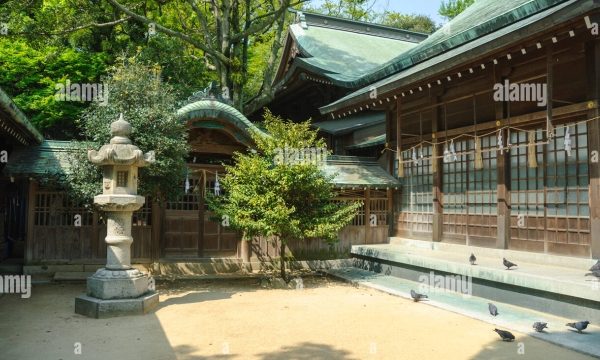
(239, 320)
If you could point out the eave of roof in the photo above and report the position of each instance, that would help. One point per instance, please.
(351, 123)
(374, 141)
(48, 157)
(479, 47)
(20, 120)
(353, 171)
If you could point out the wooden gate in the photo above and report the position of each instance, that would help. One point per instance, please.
(185, 234)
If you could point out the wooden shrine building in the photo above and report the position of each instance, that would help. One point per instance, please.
(492, 128)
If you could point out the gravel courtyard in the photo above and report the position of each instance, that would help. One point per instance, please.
(237, 319)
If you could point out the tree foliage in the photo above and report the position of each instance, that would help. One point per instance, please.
(149, 105)
(411, 22)
(451, 8)
(30, 76)
(51, 41)
(288, 201)
(362, 10)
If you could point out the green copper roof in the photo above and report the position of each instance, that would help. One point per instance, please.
(373, 141)
(49, 157)
(26, 133)
(212, 109)
(350, 123)
(485, 26)
(343, 56)
(356, 171)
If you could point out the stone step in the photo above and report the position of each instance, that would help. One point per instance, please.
(72, 275)
(510, 317)
(554, 289)
(513, 255)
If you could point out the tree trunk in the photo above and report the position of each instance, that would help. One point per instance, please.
(282, 261)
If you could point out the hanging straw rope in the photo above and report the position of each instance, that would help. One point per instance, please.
(400, 165)
(478, 154)
(531, 153)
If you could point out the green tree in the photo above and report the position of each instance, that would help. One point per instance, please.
(30, 77)
(360, 10)
(149, 105)
(54, 40)
(412, 22)
(451, 8)
(271, 198)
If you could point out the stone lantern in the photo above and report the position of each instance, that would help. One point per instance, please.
(118, 289)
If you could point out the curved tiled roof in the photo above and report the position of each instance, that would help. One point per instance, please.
(213, 109)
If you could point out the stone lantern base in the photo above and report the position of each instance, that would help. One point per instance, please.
(116, 293)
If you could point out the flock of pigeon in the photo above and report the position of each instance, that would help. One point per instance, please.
(538, 325)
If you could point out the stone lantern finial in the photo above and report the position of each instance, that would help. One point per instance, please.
(120, 131)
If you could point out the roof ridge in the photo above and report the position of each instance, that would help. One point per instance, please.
(340, 23)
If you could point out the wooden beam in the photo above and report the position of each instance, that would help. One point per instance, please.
(522, 120)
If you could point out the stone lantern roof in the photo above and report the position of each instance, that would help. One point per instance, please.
(120, 151)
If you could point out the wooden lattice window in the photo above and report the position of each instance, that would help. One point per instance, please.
(567, 180)
(143, 216)
(417, 183)
(527, 187)
(482, 186)
(190, 199)
(57, 209)
(455, 180)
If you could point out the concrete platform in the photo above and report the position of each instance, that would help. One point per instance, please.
(548, 283)
(510, 317)
(100, 309)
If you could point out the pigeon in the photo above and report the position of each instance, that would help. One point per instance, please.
(540, 326)
(596, 267)
(505, 335)
(595, 273)
(508, 264)
(472, 259)
(580, 326)
(416, 296)
(493, 309)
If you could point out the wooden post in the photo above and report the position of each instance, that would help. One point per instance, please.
(437, 193)
(502, 187)
(31, 195)
(592, 56)
(549, 113)
(368, 227)
(202, 189)
(156, 231)
(398, 193)
(390, 210)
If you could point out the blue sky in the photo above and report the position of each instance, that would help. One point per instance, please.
(425, 7)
